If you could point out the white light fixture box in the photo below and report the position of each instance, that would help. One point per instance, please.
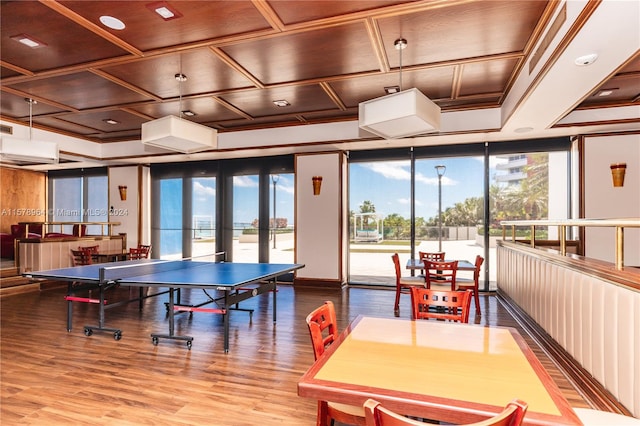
(28, 151)
(177, 134)
(402, 114)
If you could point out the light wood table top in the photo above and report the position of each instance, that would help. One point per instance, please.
(451, 372)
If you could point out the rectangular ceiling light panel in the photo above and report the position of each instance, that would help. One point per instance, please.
(28, 151)
(177, 134)
(402, 114)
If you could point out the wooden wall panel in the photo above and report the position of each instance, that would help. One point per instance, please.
(22, 197)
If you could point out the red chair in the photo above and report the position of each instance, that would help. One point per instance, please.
(81, 257)
(323, 329)
(376, 415)
(437, 256)
(440, 275)
(145, 249)
(442, 305)
(472, 283)
(136, 253)
(403, 284)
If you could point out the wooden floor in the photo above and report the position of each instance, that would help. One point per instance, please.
(50, 376)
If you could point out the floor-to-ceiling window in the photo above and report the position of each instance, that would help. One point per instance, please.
(449, 198)
(203, 218)
(281, 219)
(246, 220)
(224, 206)
(169, 219)
(78, 196)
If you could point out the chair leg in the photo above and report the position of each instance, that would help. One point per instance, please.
(396, 307)
(477, 301)
(323, 414)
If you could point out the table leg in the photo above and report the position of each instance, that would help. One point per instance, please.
(156, 337)
(226, 318)
(275, 290)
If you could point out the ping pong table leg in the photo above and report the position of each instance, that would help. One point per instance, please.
(156, 337)
(226, 318)
(275, 291)
(88, 329)
(69, 307)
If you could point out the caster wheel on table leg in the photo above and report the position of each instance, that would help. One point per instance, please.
(88, 331)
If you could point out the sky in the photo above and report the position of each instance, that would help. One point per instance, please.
(385, 183)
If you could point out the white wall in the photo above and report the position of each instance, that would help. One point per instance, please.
(319, 228)
(125, 211)
(603, 200)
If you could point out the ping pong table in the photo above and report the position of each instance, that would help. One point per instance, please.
(237, 282)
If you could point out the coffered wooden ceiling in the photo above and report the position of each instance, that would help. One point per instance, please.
(322, 57)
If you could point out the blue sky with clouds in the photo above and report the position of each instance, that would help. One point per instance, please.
(385, 183)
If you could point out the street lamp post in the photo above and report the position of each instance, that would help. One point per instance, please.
(274, 180)
(440, 169)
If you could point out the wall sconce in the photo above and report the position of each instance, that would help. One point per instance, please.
(617, 173)
(123, 192)
(317, 184)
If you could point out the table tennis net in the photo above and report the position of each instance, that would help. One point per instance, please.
(119, 272)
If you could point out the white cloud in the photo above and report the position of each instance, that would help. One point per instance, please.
(244, 181)
(201, 190)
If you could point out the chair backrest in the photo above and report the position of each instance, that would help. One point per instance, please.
(478, 264)
(441, 273)
(90, 249)
(436, 256)
(135, 253)
(396, 263)
(441, 304)
(323, 327)
(145, 249)
(81, 257)
(377, 415)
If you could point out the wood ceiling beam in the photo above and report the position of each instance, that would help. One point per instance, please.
(269, 14)
(39, 99)
(68, 13)
(124, 84)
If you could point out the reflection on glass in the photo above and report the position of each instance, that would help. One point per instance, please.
(203, 222)
(245, 218)
(281, 218)
(171, 219)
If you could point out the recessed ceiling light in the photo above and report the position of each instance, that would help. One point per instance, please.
(188, 113)
(281, 103)
(111, 22)
(164, 10)
(28, 40)
(391, 89)
(586, 59)
(110, 121)
(605, 92)
(523, 129)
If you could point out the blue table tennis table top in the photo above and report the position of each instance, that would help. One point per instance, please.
(178, 273)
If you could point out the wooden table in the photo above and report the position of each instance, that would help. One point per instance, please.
(418, 264)
(456, 373)
(110, 256)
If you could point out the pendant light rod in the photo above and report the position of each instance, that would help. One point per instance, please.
(400, 44)
(31, 102)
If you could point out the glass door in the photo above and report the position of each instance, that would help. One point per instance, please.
(245, 218)
(203, 220)
(281, 226)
